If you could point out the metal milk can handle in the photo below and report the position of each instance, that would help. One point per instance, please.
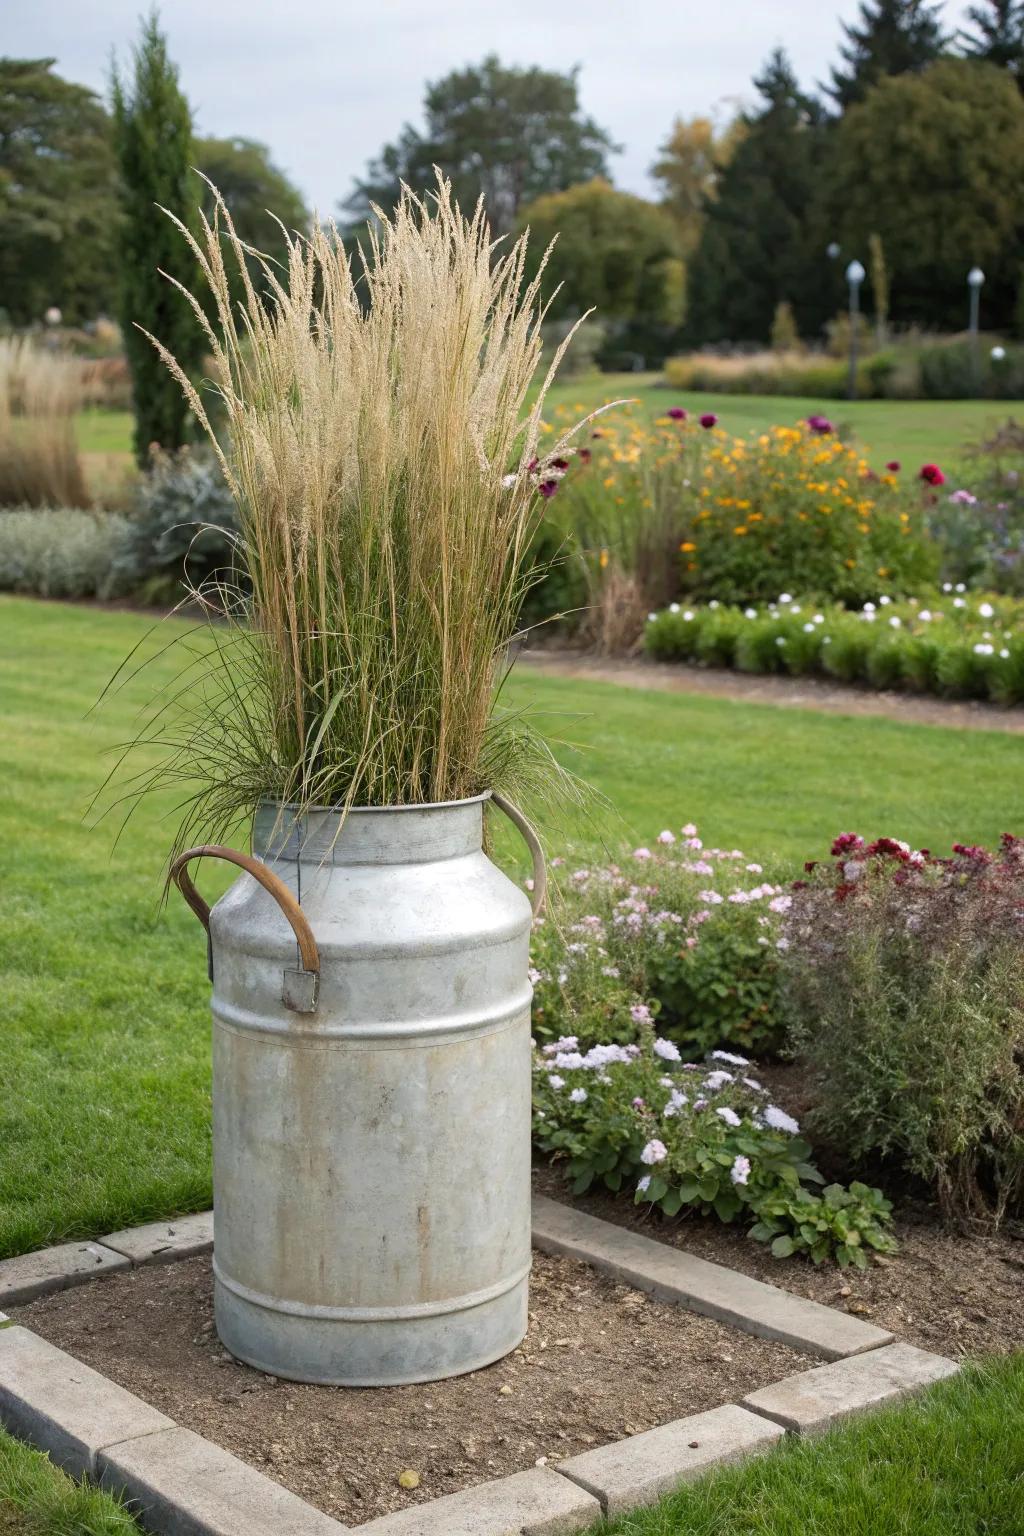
(532, 841)
(300, 987)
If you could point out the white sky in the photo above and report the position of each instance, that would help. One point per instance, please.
(326, 82)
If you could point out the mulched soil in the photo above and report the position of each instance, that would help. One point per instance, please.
(794, 692)
(600, 1361)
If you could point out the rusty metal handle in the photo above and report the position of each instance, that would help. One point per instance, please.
(301, 987)
(532, 841)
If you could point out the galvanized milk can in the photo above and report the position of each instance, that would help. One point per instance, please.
(371, 1094)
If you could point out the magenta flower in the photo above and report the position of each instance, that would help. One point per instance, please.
(708, 420)
(821, 424)
(548, 488)
(893, 466)
(676, 413)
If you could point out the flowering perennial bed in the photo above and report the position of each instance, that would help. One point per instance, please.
(951, 642)
(698, 1135)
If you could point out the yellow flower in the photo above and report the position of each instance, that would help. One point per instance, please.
(740, 531)
(603, 559)
(687, 547)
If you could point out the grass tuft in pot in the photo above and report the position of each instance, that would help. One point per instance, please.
(382, 439)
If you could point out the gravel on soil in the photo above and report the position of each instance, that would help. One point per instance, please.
(600, 1361)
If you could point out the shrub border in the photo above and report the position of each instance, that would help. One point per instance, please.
(866, 1367)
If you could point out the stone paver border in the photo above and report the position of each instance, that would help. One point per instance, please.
(183, 1485)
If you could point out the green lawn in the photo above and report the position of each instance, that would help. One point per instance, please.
(38, 1500)
(950, 1463)
(913, 431)
(104, 1076)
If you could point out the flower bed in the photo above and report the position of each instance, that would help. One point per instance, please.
(952, 643)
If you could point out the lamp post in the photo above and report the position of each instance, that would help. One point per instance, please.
(975, 278)
(854, 277)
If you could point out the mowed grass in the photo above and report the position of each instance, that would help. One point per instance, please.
(38, 1500)
(104, 1071)
(950, 1463)
(913, 431)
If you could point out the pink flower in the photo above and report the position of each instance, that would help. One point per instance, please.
(666, 836)
(689, 830)
(640, 1013)
(654, 1152)
(740, 1171)
(641, 853)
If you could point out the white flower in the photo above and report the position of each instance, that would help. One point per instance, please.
(508, 481)
(754, 869)
(673, 607)
(688, 615)
(666, 1049)
(780, 904)
(753, 1083)
(654, 1152)
(578, 1096)
(750, 613)
(728, 1115)
(556, 1081)
(925, 614)
(784, 597)
(740, 1171)
(610, 970)
(868, 608)
(986, 610)
(644, 1184)
(1004, 653)
(689, 830)
(808, 629)
(716, 1080)
(640, 1013)
(779, 1120)
(651, 618)
(895, 621)
(982, 649)
(734, 1061)
(666, 836)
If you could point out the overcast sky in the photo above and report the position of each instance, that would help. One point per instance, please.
(326, 82)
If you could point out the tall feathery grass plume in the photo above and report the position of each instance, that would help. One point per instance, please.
(386, 457)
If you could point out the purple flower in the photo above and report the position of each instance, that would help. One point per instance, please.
(548, 488)
(708, 420)
(676, 413)
(818, 423)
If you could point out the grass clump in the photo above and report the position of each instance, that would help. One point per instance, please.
(388, 475)
(40, 393)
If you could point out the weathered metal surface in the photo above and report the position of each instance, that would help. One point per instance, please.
(372, 1158)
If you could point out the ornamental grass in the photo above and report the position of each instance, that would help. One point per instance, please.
(40, 392)
(388, 477)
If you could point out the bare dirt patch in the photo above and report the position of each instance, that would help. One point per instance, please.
(951, 1294)
(600, 1361)
(791, 692)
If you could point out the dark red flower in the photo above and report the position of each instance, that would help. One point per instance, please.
(597, 434)
(931, 474)
(548, 488)
(893, 466)
(562, 464)
(887, 848)
(847, 842)
(533, 464)
(584, 455)
(708, 420)
(972, 851)
(676, 413)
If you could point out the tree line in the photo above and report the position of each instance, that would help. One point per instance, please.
(908, 158)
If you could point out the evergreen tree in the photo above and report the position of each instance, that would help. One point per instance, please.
(997, 36)
(759, 246)
(153, 143)
(58, 209)
(509, 134)
(893, 37)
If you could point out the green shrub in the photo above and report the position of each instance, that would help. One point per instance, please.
(903, 976)
(686, 1137)
(183, 530)
(66, 554)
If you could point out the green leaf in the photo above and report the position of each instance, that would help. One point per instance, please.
(671, 1202)
(707, 1189)
(782, 1247)
(583, 1182)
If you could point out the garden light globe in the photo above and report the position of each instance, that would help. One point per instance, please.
(855, 273)
(975, 277)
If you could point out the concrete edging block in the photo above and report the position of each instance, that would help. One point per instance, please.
(535, 1503)
(813, 1400)
(64, 1407)
(182, 1485)
(161, 1242)
(710, 1289)
(55, 1269)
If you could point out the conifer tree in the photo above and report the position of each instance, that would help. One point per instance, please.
(154, 148)
(996, 35)
(892, 37)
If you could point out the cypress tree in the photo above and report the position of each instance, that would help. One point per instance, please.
(893, 37)
(153, 143)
